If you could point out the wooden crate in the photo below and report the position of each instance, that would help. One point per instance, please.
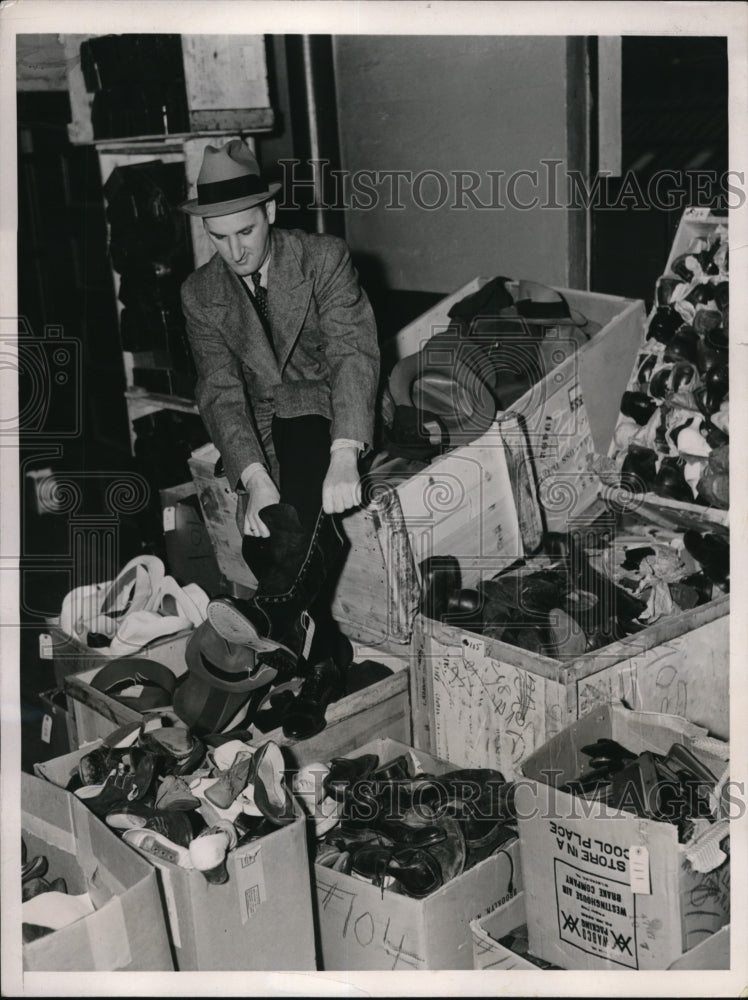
(482, 703)
(380, 709)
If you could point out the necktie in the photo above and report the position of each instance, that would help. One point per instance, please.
(261, 298)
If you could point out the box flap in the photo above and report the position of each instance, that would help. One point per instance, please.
(378, 591)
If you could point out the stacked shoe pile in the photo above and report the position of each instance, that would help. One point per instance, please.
(672, 438)
(402, 829)
(675, 787)
(119, 617)
(178, 799)
(46, 904)
(574, 597)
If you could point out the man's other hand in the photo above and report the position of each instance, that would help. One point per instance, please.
(341, 489)
(262, 492)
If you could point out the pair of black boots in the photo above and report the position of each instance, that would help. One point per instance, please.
(295, 571)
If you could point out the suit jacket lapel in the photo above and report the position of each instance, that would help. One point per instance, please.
(289, 294)
(242, 323)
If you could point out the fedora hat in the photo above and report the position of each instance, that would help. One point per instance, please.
(229, 181)
(220, 680)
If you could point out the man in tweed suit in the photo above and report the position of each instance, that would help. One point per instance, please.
(285, 345)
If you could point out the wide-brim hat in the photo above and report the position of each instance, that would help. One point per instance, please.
(156, 680)
(229, 181)
(220, 679)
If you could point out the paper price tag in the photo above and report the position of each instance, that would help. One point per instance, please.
(170, 518)
(698, 214)
(639, 870)
(46, 729)
(45, 646)
(473, 645)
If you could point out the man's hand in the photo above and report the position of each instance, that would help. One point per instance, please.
(341, 489)
(262, 492)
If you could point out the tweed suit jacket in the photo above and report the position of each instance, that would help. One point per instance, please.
(326, 358)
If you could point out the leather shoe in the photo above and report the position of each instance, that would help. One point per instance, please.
(36, 868)
(682, 346)
(716, 384)
(711, 551)
(664, 323)
(639, 406)
(465, 607)
(344, 771)
(639, 469)
(681, 268)
(271, 795)
(670, 482)
(665, 290)
(440, 576)
(415, 870)
(305, 716)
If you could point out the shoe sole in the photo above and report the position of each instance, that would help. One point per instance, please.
(232, 626)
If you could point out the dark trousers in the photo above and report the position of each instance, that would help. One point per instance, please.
(302, 448)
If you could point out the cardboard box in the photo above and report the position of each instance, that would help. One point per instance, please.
(572, 412)
(487, 932)
(480, 702)
(382, 709)
(712, 953)
(127, 930)
(362, 927)
(261, 919)
(586, 907)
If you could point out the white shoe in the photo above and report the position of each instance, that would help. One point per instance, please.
(158, 849)
(326, 812)
(169, 599)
